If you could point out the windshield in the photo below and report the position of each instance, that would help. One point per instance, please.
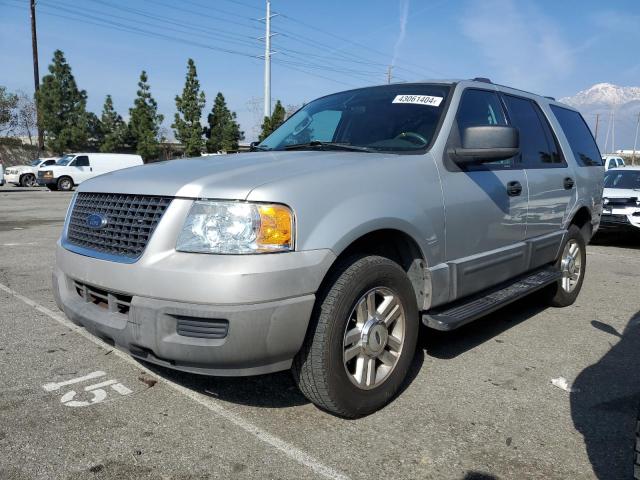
(36, 162)
(629, 179)
(390, 118)
(66, 160)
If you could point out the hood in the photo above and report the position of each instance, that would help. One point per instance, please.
(620, 193)
(230, 177)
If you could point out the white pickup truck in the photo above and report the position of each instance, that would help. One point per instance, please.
(25, 175)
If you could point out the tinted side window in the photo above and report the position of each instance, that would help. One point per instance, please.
(480, 108)
(583, 146)
(82, 161)
(538, 147)
(49, 162)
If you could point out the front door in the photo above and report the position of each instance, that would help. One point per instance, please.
(83, 169)
(485, 206)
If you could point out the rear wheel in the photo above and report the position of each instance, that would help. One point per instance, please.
(362, 338)
(65, 184)
(572, 264)
(28, 180)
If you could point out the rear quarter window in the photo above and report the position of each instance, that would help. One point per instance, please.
(580, 139)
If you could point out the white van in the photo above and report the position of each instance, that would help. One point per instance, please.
(75, 168)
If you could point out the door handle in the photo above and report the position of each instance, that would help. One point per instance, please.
(568, 183)
(514, 188)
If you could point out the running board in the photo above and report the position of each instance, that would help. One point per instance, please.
(461, 312)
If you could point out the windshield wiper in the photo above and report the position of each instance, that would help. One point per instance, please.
(316, 144)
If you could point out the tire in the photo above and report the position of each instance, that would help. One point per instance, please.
(321, 370)
(28, 180)
(65, 184)
(564, 292)
(52, 187)
(636, 452)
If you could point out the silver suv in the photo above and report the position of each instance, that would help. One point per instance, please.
(365, 214)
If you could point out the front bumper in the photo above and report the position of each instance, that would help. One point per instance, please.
(266, 299)
(42, 181)
(621, 219)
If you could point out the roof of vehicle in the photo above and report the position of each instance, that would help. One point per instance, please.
(624, 169)
(484, 82)
(101, 154)
(611, 155)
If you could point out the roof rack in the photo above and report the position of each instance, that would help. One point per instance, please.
(550, 98)
(482, 79)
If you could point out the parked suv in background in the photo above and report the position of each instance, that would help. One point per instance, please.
(612, 161)
(25, 175)
(621, 199)
(365, 214)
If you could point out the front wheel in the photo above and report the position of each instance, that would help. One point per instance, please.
(65, 184)
(362, 338)
(572, 264)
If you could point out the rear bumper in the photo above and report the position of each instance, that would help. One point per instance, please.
(12, 178)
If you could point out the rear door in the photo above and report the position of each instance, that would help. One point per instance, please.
(551, 181)
(485, 205)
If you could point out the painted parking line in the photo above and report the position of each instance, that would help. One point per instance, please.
(284, 447)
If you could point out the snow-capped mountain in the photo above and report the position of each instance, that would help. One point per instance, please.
(606, 94)
(615, 107)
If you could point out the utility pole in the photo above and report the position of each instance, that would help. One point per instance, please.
(267, 60)
(635, 142)
(597, 124)
(36, 74)
(389, 70)
(613, 131)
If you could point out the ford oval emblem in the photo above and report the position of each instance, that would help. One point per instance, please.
(96, 221)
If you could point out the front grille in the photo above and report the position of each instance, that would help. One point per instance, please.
(129, 222)
(111, 301)
(201, 327)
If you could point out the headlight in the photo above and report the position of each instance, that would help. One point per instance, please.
(236, 227)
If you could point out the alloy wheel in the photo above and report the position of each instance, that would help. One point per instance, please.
(373, 338)
(571, 266)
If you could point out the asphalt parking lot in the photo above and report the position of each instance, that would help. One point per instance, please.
(480, 403)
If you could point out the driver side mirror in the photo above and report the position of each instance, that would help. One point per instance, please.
(486, 144)
(253, 145)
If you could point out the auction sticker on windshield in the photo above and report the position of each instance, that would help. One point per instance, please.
(418, 100)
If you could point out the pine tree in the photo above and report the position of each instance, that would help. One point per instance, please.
(186, 123)
(224, 132)
(64, 117)
(112, 128)
(232, 134)
(271, 123)
(144, 122)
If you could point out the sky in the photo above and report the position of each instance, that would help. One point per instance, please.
(551, 47)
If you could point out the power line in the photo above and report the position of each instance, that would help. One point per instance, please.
(110, 25)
